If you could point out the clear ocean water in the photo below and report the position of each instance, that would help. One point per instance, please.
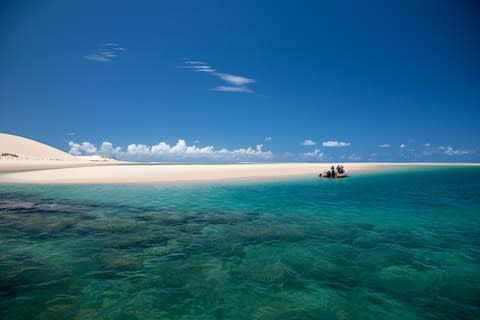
(392, 245)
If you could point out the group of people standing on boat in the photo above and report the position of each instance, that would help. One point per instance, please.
(334, 173)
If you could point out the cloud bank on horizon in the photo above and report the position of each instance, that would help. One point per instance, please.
(181, 151)
(166, 152)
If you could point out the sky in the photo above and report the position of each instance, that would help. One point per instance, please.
(244, 80)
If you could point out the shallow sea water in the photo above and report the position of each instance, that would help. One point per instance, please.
(391, 245)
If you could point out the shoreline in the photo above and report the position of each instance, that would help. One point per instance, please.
(23, 165)
(66, 172)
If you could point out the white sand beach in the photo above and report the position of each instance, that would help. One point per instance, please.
(158, 173)
(26, 161)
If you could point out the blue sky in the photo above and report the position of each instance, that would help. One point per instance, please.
(260, 80)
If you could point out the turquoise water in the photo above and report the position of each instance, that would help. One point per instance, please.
(396, 245)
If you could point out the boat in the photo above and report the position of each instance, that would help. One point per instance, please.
(327, 174)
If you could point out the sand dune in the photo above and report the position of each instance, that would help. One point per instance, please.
(19, 154)
(23, 148)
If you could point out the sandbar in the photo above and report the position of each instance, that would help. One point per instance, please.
(45, 172)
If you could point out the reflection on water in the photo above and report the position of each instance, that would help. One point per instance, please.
(364, 248)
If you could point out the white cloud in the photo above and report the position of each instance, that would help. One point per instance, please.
(235, 80)
(106, 52)
(403, 145)
(138, 149)
(308, 142)
(336, 144)
(192, 62)
(314, 154)
(107, 149)
(450, 151)
(166, 152)
(98, 57)
(427, 145)
(267, 139)
(235, 83)
(247, 152)
(82, 149)
(75, 148)
(198, 66)
(232, 89)
(385, 145)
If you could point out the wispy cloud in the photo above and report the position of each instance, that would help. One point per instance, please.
(166, 152)
(232, 89)
(403, 145)
(335, 144)
(198, 66)
(106, 52)
(308, 142)
(267, 139)
(385, 145)
(234, 83)
(234, 80)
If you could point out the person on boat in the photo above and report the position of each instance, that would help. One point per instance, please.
(340, 169)
(332, 171)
